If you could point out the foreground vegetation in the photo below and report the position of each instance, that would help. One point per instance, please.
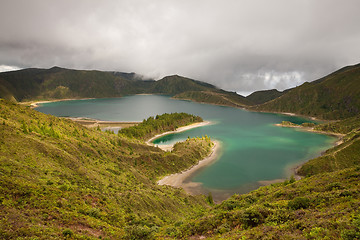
(325, 206)
(59, 179)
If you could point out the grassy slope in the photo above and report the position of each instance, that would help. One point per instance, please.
(325, 206)
(347, 154)
(58, 178)
(336, 96)
(260, 97)
(218, 98)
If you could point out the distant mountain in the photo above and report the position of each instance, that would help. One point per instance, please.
(264, 96)
(60, 83)
(336, 96)
(218, 98)
(175, 84)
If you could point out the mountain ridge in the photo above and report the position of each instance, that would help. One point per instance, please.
(335, 96)
(61, 83)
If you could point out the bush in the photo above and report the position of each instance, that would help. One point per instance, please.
(299, 203)
(350, 234)
(67, 233)
(252, 216)
(139, 232)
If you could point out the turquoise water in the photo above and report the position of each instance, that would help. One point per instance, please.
(253, 149)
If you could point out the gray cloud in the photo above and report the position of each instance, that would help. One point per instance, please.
(237, 45)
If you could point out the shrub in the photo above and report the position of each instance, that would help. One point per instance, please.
(67, 233)
(139, 232)
(299, 203)
(350, 234)
(252, 216)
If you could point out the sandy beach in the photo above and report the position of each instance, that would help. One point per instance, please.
(179, 179)
(37, 103)
(180, 129)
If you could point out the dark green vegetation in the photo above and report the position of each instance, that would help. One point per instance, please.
(59, 179)
(219, 98)
(59, 83)
(160, 124)
(260, 97)
(336, 96)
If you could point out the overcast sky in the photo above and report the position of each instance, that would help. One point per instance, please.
(237, 45)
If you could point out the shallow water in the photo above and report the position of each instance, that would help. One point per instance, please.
(253, 149)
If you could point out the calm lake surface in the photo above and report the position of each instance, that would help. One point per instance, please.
(253, 149)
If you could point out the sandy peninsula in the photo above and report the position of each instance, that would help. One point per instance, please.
(179, 179)
(38, 103)
(180, 129)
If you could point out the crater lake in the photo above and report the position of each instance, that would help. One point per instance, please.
(254, 151)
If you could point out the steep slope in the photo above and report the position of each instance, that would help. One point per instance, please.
(59, 179)
(57, 83)
(336, 96)
(324, 206)
(60, 83)
(345, 155)
(215, 97)
(175, 84)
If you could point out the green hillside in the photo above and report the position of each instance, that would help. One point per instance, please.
(59, 179)
(324, 206)
(59, 83)
(260, 97)
(345, 155)
(336, 96)
(219, 98)
(172, 85)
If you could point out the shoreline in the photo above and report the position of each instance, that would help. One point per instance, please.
(296, 168)
(178, 180)
(35, 104)
(288, 114)
(310, 129)
(92, 123)
(180, 129)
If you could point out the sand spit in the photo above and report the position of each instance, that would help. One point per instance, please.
(179, 179)
(180, 129)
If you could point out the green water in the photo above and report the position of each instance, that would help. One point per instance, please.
(253, 149)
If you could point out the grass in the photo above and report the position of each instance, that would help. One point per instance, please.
(60, 179)
(325, 206)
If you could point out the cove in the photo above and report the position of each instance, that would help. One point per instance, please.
(254, 151)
